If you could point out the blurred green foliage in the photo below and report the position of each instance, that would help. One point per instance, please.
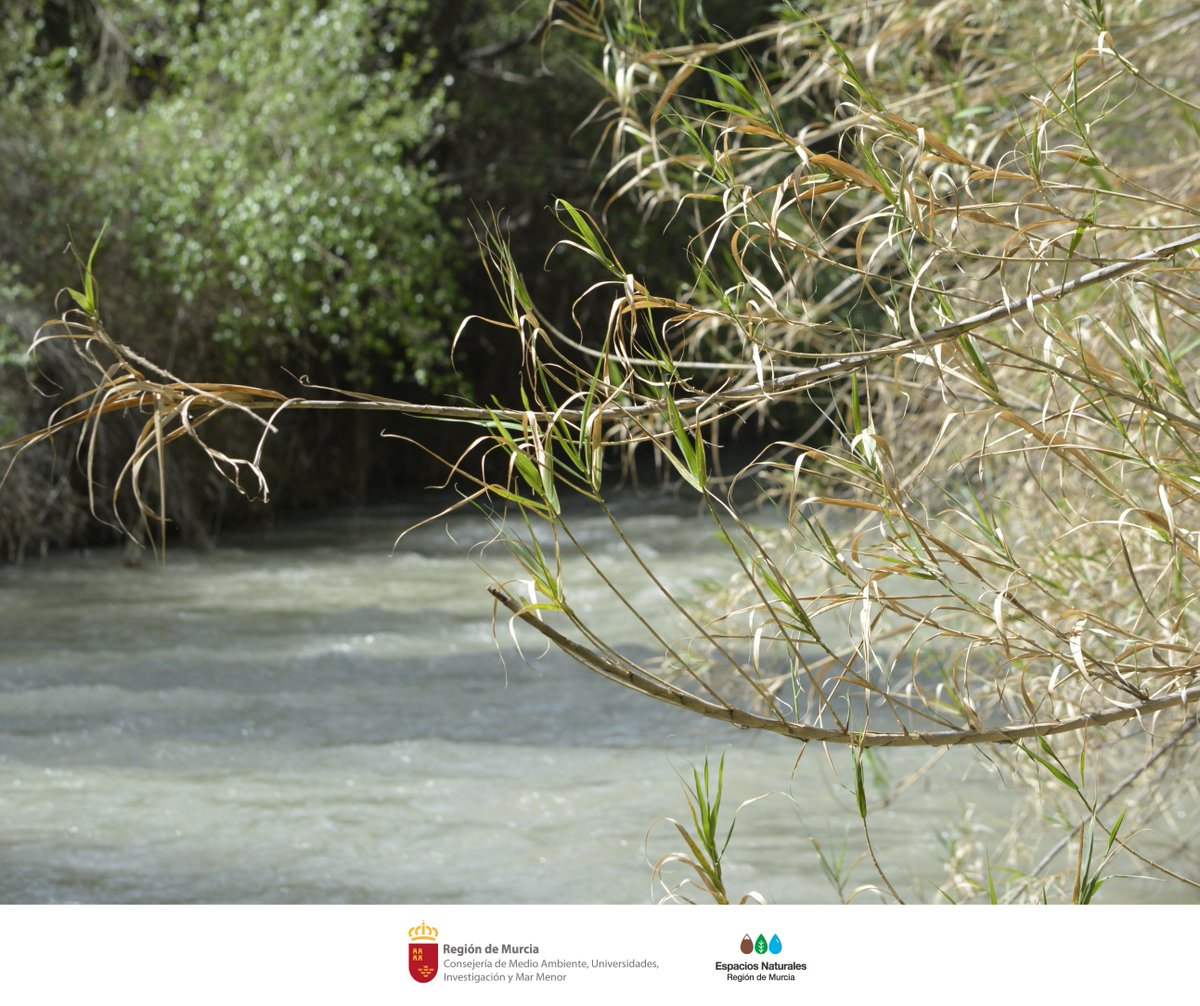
(266, 167)
(12, 293)
(295, 185)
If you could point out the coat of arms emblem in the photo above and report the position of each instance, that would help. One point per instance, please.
(422, 952)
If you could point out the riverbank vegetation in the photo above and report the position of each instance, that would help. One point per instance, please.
(290, 188)
(967, 247)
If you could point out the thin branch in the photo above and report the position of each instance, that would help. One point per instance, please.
(631, 678)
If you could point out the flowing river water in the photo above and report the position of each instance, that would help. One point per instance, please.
(312, 715)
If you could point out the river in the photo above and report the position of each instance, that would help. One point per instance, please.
(311, 715)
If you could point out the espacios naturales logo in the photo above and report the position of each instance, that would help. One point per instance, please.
(760, 945)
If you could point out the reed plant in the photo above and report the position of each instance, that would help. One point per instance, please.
(968, 246)
(705, 844)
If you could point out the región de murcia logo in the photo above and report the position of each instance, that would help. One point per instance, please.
(422, 952)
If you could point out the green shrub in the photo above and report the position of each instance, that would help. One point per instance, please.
(266, 171)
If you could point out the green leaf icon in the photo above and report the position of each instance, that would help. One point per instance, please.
(760, 945)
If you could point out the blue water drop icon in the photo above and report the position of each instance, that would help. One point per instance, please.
(775, 945)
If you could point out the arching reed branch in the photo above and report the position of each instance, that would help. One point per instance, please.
(632, 678)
